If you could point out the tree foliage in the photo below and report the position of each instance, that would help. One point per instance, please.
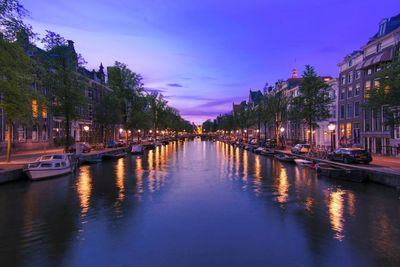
(312, 105)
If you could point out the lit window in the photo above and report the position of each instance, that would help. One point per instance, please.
(34, 108)
(358, 74)
(44, 111)
(379, 47)
(367, 89)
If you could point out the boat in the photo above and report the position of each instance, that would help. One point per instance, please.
(268, 152)
(305, 163)
(258, 150)
(50, 166)
(149, 145)
(284, 158)
(114, 155)
(91, 159)
(137, 149)
(341, 172)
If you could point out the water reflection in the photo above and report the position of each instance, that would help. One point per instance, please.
(336, 210)
(84, 188)
(185, 202)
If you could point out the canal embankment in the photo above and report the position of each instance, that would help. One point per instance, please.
(14, 171)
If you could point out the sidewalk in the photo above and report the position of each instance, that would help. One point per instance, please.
(379, 163)
(24, 157)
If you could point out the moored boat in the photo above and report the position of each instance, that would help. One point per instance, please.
(258, 150)
(305, 163)
(114, 155)
(49, 166)
(91, 159)
(268, 152)
(284, 158)
(341, 172)
(137, 149)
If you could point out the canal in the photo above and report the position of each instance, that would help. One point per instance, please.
(198, 204)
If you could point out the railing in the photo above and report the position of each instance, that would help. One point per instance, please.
(393, 151)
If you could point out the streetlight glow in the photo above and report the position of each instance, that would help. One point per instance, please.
(121, 130)
(331, 127)
(85, 128)
(282, 129)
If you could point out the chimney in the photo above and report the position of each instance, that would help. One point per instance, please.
(70, 43)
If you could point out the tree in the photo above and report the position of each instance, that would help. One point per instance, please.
(388, 92)
(67, 88)
(276, 109)
(15, 77)
(157, 104)
(313, 103)
(127, 86)
(107, 116)
(12, 13)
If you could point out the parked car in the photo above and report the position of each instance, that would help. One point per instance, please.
(349, 155)
(83, 147)
(121, 143)
(111, 144)
(300, 149)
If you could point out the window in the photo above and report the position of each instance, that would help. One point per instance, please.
(357, 74)
(369, 71)
(349, 77)
(350, 62)
(343, 80)
(356, 133)
(350, 92)
(367, 89)
(350, 110)
(343, 93)
(44, 112)
(382, 27)
(377, 84)
(34, 108)
(379, 47)
(348, 130)
(378, 68)
(356, 109)
(357, 91)
(342, 111)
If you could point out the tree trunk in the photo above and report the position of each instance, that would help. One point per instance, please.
(265, 131)
(9, 128)
(67, 133)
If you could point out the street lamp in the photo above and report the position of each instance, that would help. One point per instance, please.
(86, 129)
(332, 128)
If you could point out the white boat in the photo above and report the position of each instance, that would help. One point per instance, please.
(259, 150)
(137, 149)
(50, 166)
(303, 162)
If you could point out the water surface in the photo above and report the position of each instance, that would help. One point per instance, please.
(198, 204)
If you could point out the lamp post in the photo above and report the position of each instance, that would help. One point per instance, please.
(138, 136)
(86, 129)
(331, 128)
(282, 130)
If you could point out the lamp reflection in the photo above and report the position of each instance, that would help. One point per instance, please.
(335, 206)
(120, 178)
(84, 189)
(282, 186)
(257, 175)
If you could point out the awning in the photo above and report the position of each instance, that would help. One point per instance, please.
(381, 57)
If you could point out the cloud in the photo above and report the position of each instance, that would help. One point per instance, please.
(174, 85)
(155, 90)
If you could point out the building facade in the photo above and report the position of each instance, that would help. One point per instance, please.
(359, 73)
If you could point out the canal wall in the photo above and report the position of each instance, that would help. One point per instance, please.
(11, 174)
(385, 177)
(14, 172)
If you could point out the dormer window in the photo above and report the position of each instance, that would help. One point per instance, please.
(382, 27)
(379, 47)
(350, 62)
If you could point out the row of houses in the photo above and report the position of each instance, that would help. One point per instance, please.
(350, 123)
(47, 128)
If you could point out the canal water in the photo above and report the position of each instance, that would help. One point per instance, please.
(198, 204)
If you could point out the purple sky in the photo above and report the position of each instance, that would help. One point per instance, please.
(203, 55)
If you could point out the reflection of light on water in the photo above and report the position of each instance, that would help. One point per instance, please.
(139, 175)
(351, 200)
(283, 186)
(120, 177)
(257, 175)
(237, 161)
(150, 161)
(335, 205)
(309, 203)
(84, 188)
